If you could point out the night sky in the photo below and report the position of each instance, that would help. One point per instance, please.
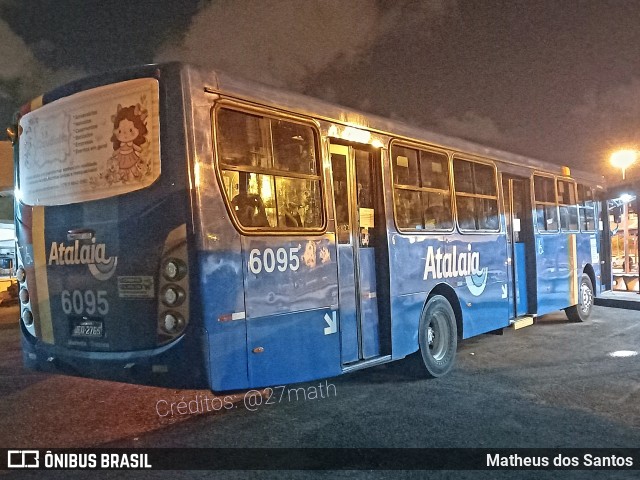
(554, 80)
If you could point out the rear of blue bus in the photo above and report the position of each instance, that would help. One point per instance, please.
(103, 223)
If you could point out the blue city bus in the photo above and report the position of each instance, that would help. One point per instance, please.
(179, 227)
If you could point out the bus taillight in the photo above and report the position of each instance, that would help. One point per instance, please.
(27, 317)
(172, 323)
(172, 295)
(173, 288)
(21, 275)
(174, 269)
(24, 295)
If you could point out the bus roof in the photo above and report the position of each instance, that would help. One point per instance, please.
(216, 81)
(220, 82)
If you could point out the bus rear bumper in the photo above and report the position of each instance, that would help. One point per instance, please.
(173, 365)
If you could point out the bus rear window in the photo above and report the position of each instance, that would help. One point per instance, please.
(270, 172)
(94, 144)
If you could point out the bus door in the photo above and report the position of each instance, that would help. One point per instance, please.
(603, 226)
(360, 236)
(516, 194)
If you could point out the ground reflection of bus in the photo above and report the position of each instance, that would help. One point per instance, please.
(180, 227)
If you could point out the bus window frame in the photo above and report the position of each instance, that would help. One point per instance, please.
(275, 114)
(430, 149)
(581, 207)
(499, 213)
(536, 202)
(575, 205)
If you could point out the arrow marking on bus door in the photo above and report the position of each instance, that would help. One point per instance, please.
(332, 322)
(504, 291)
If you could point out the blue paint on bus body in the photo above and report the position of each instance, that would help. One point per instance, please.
(267, 310)
(521, 281)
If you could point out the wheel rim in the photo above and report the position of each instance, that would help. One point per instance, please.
(586, 296)
(438, 336)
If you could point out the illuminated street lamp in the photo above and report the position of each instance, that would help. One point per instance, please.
(623, 159)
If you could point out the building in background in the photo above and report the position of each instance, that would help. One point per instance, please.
(623, 223)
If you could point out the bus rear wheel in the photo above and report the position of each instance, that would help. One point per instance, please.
(582, 311)
(438, 336)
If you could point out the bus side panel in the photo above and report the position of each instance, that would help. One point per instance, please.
(555, 275)
(483, 294)
(291, 298)
(407, 256)
(293, 347)
(369, 304)
(406, 311)
(222, 297)
(520, 267)
(420, 262)
(588, 245)
(348, 316)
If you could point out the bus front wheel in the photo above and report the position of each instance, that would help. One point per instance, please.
(438, 336)
(581, 311)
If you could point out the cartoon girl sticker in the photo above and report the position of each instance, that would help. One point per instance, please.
(129, 133)
(309, 255)
(324, 254)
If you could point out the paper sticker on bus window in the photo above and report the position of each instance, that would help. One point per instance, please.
(436, 167)
(516, 224)
(94, 144)
(402, 161)
(366, 217)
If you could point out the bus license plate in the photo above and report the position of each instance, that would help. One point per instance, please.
(87, 328)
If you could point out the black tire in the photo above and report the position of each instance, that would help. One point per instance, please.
(582, 311)
(438, 337)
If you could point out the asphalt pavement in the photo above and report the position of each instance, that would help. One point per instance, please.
(9, 315)
(555, 384)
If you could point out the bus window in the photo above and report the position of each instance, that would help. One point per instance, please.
(476, 195)
(587, 208)
(546, 207)
(421, 189)
(293, 147)
(567, 205)
(269, 170)
(341, 197)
